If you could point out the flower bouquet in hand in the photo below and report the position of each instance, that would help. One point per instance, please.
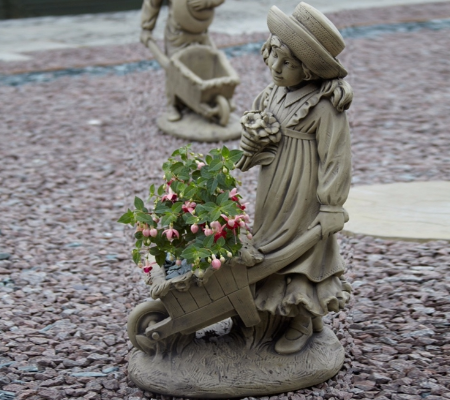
(260, 129)
(196, 214)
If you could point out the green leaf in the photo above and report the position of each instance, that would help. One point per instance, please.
(190, 219)
(208, 159)
(220, 242)
(138, 243)
(127, 218)
(216, 165)
(161, 209)
(138, 235)
(161, 190)
(136, 256)
(152, 190)
(177, 167)
(142, 217)
(138, 203)
(213, 186)
(235, 155)
(190, 191)
(208, 242)
(215, 214)
(160, 259)
(225, 152)
(222, 198)
(176, 208)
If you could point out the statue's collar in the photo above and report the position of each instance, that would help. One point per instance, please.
(296, 95)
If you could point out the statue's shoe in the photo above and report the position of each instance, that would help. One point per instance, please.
(295, 337)
(173, 114)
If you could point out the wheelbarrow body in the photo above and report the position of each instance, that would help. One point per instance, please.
(202, 78)
(228, 292)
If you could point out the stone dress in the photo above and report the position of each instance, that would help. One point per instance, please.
(309, 170)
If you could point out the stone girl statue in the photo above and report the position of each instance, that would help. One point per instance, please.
(305, 174)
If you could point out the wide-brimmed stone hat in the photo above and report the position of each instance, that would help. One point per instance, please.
(311, 37)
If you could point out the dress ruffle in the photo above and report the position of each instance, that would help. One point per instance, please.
(291, 295)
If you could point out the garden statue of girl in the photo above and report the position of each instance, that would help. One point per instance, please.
(305, 177)
(289, 273)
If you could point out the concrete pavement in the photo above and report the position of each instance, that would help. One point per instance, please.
(233, 17)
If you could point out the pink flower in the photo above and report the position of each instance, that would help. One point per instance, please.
(216, 264)
(208, 231)
(218, 230)
(231, 222)
(200, 165)
(189, 206)
(139, 227)
(146, 232)
(153, 232)
(171, 196)
(194, 228)
(170, 233)
(249, 236)
(148, 266)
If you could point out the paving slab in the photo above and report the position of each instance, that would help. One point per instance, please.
(233, 17)
(406, 211)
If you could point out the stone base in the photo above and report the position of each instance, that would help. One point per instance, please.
(224, 367)
(194, 127)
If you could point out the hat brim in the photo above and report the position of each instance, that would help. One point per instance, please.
(303, 45)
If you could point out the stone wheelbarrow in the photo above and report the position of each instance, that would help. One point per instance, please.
(186, 303)
(201, 78)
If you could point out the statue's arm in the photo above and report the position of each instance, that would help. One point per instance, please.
(149, 14)
(334, 173)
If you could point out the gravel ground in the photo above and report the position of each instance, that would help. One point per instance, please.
(74, 153)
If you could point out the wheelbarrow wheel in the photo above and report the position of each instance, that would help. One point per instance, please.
(143, 316)
(224, 110)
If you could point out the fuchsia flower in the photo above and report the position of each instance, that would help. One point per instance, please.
(170, 233)
(146, 232)
(194, 228)
(208, 231)
(233, 195)
(153, 232)
(148, 266)
(200, 165)
(218, 230)
(171, 196)
(189, 206)
(215, 263)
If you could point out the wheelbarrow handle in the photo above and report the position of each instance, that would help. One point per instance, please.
(158, 53)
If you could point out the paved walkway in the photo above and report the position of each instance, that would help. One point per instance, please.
(233, 17)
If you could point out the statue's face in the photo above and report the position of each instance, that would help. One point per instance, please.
(285, 69)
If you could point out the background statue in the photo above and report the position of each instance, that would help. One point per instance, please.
(289, 274)
(190, 59)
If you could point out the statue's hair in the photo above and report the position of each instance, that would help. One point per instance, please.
(337, 90)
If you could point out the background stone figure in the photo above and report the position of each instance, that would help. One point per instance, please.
(305, 178)
(187, 23)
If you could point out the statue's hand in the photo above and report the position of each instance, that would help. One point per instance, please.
(146, 35)
(330, 222)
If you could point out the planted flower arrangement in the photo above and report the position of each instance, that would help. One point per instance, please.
(194, 218)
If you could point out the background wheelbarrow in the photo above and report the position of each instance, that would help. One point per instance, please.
(187, 304)
(201, 78)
